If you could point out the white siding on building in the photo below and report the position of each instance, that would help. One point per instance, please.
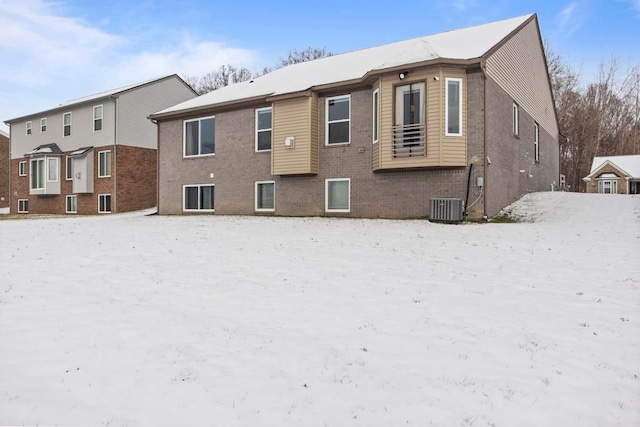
(135, 106)
(82, 134)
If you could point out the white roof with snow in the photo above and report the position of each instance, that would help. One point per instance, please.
(93, 97)
(3, 133)
(629, 164)
(463, 44)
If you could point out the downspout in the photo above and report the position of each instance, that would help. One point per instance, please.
(483, 70)
(10, 195)
(114, 197)
(155, 122)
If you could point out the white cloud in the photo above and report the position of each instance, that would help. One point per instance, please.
(50, 56)
(569, 20)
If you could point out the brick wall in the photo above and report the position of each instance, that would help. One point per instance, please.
(592, 186)
(236, 166)
(510, 154)
(5, 166)
(56, 204)
(136, 178)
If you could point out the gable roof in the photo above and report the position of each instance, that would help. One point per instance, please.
(466, 44)
(629, 164)
(100, 95)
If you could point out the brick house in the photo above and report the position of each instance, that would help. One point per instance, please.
(371, 133)
(96, 154)
(4, 169)
(614, 175)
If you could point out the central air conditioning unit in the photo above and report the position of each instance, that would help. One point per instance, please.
(446, 209)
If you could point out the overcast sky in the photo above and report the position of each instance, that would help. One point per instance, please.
(53, 51)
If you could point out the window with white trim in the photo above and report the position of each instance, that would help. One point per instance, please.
(43, 124)
(104, 203)
(37, 174)
(69, 169)
(71, 203)
(104, 164)
(338, 122)
(536, 142)
(199, 137)
(516, 119)
(22, 168)
(29, 128)
(52, 169)
(265, 196)
(97, 118)
(263, 128)
(23, 205)
(608, 184)
(198, 198)
(376, 115)
(66, 124)
(453, 103)
(337, 195)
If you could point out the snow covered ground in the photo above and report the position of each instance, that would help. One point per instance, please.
(256, 321)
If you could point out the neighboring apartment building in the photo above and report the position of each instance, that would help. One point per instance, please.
(4, 169)
(371, 133)
(96, 154)
(614, 175)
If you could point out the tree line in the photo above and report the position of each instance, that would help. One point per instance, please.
(597, 118)
(228, 74)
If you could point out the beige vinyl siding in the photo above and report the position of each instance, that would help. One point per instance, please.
(136, 105)
(453, 149)
(375, 149)
(519, 68)
(441, 150)
(314, 120)
(293, 118)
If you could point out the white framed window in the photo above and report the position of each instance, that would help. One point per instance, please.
(98, 112)
(338, 122)
(263, 128)
(52, 169)
(43, 124)
(608, 184)
(37, 174)
(453, 103)
(536, 142)
(29, 128)
(376, 115)
(104, 203)
(200, 137)
(69, 169)
(337, 195)
(66, 124)
(198, 198)
(22, 168)
(23, 205)
(71, 204)
(265, 196)
(516, 119)
(104, 164)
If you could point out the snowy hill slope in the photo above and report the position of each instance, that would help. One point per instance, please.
(134, 320)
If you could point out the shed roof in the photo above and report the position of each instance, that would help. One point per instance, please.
(463, 44)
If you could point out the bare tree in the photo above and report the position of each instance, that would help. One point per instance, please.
(598, 119)
(223, 76)
(308, 54)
